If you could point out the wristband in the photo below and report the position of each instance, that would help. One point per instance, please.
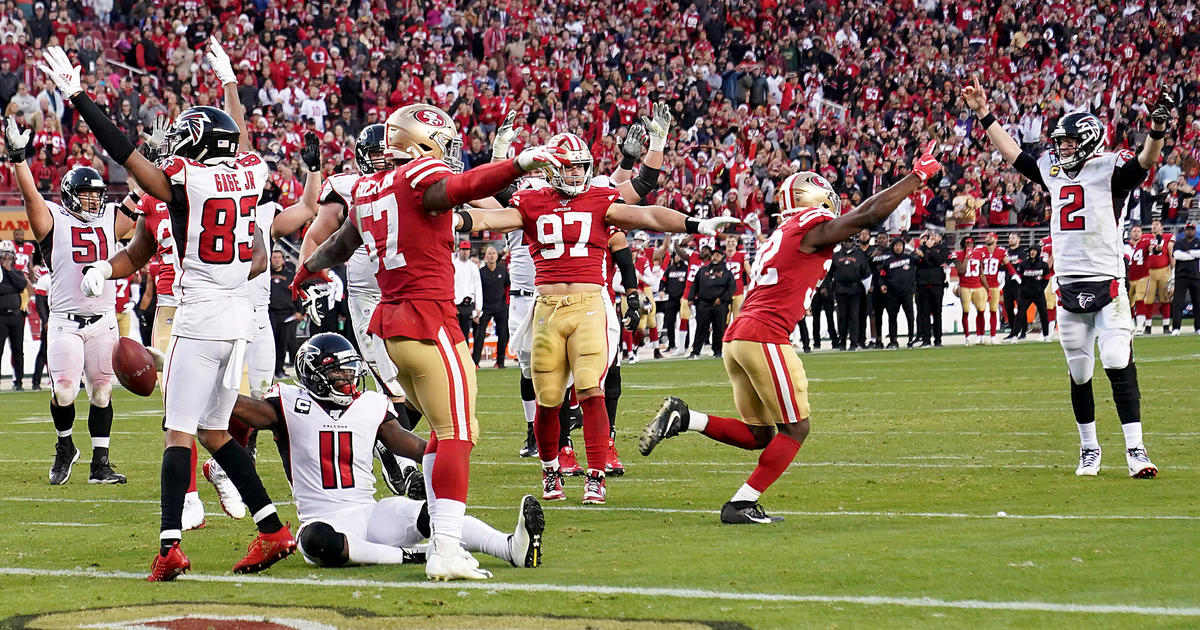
(17, 156)
(691, 225)
(987, 121)
(628, 162)
(467, 222)
(1157, 134)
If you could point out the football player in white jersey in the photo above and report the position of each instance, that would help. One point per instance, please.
(325, 429)
(81, 330)
(212, 189)
(1088, 188)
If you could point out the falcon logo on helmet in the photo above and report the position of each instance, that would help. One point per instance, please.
(575, 178)
(329, 368)
(203, 133)
(369, 149)
(1088, 133)
(420, 130)
(805, 190)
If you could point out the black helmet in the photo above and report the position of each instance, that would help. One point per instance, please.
(329, 368)
(368, 149)
(203, 133)
(1088, 133)
(78, 180)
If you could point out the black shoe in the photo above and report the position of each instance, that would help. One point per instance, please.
(414, 484)
(65, 456)
(393, 474)
(500, 366)
(17, 387)
(279, 376)
(925, 344)
(817, 345)
(102, 472)
(1147, 330)
(37, 387)
(893, 346)
(852, 348)
(937, 344)
(808, 350)
(657, 353)
(718, 355)
(529, 448)
(671, 420)
(745, 513)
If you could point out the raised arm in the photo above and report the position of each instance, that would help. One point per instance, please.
(976, 98)
(333, 251)
(488, 179)
(219, 62)
(663, 219)
(294, 217)
(1160, 115)
(329, 217)
(658, 128)
(40, 219)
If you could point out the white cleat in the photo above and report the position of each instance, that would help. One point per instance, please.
(447, 560)
(193, 511)
(1047, 339)
(231, 499)
(992, 341)
(1140, 465)
(1089, 462)
(1175, 332)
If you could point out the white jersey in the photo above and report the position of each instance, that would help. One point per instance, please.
(75, 243)
(214, 221)
(260, 285)
(329, 456)
(520, 262)
(362, 266)
(1086, 216)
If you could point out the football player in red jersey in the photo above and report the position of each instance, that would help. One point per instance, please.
(770, 389)
(574, 323)
(1138, 275)
(972, 287)
(1160, 263)
(994, 260)
(735, 259)
(416, 317)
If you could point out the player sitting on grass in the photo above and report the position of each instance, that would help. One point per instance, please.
(326, 429)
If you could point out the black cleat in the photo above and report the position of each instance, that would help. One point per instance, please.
(102, 472)
(393, 474)
(413, 556)
(65, 457)
(529, 448)
(745, 513)
(414, 484)
(671, 420)
(526, 542)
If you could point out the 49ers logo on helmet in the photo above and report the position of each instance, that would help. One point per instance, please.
(821, 181)
(430, 117)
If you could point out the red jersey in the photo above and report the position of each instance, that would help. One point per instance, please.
(158, 222)
(994, 261)
(122, 293)
(737, 265)
(24, 256)
(783, 281)
(1138, 268)
(416, 276)
(1048, 253)
(567, 236)
(1156, 250)
(694, 265)
(971, 277)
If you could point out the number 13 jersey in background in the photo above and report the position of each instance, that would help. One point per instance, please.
(567, 236)
(783, 280)
(213, 221)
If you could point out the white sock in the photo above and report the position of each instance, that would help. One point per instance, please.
(63, 434)
(447, 519)
(427, 469)
(1133, 434)
(99, 442)
(1087, 435)
(697, 421)
(1141, 321)
(551, 464)
(530, 407)
(746, 493)
(479, 536)
(405, 463)
(363, 551)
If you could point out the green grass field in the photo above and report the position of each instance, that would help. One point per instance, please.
(892, 513)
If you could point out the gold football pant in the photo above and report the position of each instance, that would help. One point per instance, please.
(769, 385)
(438, 378)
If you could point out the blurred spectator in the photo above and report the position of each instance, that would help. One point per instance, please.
(494, 283)
(284, 312)
(468, 293)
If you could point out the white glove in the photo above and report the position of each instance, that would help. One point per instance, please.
(158, 131)
(94, 277)
(160, 359)
(1017, 279)
(541, 157)
(659, 126)
(710, 227)
(15, 138)
(505, 134)
(58, 67)
(219, 62)
(312, 301)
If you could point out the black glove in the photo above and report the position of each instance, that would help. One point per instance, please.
(310, 154)
(634, 309)
(1161, 114)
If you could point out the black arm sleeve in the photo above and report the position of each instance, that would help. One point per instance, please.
(646, 181)
(114, 141)
(505, 196)
(624, 260)
(1126, 177)
(1027, 165)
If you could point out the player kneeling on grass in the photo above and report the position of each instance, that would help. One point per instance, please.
(326, 430)
(770, 390)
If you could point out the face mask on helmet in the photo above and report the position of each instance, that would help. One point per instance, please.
(573, 179)
(1076, 139)
(82, 194)
(331, 372)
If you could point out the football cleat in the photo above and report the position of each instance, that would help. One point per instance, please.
(671, 420)
(227, 493)
(568, 464)
(414, 484)
(193, 511)
(529, 448)
(1089, 462)
(612, 463)
(552, 485)
(446, 560)
(415, 555)
(167, 568)
(265, 550)
(1140, 465)
(525, 544)
(594, 491)
(393, 474)
(745, 512)
(64, 459)
(102, 472)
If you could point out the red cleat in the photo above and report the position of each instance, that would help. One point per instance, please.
(265, 550)
(552, 485)
(567, 464)
(612, 464)
(167, 568)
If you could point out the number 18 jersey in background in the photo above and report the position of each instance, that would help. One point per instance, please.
(567, 236)
(783, 280)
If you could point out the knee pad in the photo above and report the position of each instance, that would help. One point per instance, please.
(323, 544)
(525, 360)
(1116, 356)
(65, 393)
(101, 394)
(1081, 366)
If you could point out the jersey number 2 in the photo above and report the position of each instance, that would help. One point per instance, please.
(218, 220)
(337, 457)
(1070, 216)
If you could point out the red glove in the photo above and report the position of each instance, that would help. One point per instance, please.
(303, 275)
(927, 165)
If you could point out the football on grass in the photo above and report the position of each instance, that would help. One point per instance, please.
(134, 366)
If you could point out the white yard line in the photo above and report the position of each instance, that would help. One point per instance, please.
(57, 524)
(677, 593)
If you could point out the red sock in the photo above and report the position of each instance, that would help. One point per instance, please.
(192, 483)
(432, 445)
(683, 325)
(627, 340)
(979, 324)
(994, 318)
(1051, 313)
(654, 335)
(967, 324)
(595, 431)
(451, 472)
(239, 432)
(1166, 313)
(730, 431)
(572, 398)
(545, 432)
(774, 460)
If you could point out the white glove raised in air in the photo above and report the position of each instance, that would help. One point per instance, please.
(541, 157)
(658, 126)
(58, 67)
(16, 140)
(158, 132)
(312, 301)
(219, 62)
(94, 277)
(505, 134)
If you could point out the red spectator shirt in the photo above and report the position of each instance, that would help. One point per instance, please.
(626, 110)
(994, 260)
(782, 282)
(23, 256)
(972, 275)
(1160, 259)
(567, 236)
(316, 57)
(1048, 253)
